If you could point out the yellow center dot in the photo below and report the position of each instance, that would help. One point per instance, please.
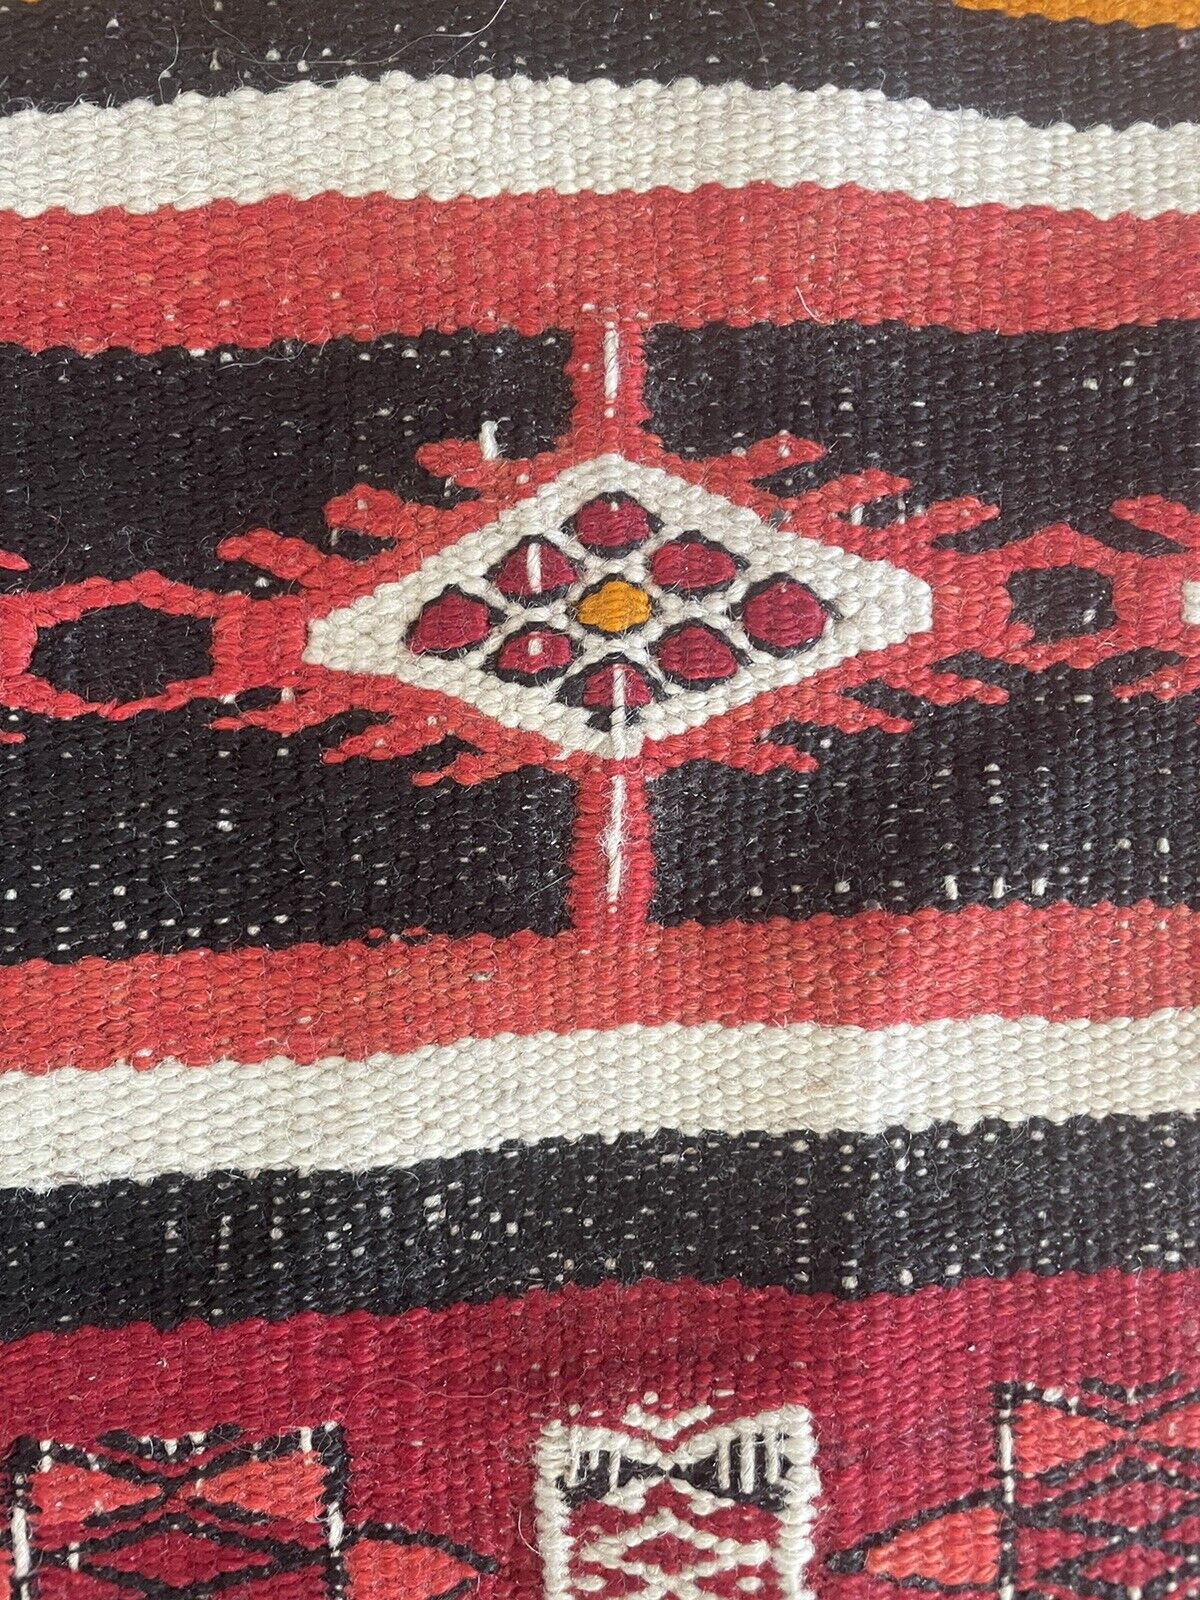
(615, 607)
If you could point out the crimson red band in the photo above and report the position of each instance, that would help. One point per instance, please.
(872, 970)
(450, 1431)
(333, 266)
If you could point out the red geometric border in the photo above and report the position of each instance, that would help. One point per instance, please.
(333, 266)
(442, 1411)
(872, 970)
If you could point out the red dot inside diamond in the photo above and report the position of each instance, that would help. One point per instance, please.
(534, 655)
(783, 616)
(616, 683)
(535, 570)
(450, 624)
(612, 523)
(692, 565)
(696, 655)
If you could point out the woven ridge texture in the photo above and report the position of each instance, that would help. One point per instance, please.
(599, 748)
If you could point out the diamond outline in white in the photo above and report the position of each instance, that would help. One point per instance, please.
(873, 604)
(564, 1447)
(715, 1556)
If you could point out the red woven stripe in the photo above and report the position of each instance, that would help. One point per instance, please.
(871, 970)
(461, 1396)
(334, 266)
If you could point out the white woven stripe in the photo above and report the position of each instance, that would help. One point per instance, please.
(447, 137)
(73, 1126)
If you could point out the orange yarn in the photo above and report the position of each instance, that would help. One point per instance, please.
(1138, 13)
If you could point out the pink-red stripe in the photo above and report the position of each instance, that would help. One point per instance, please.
(333, 266)
(353, 1000)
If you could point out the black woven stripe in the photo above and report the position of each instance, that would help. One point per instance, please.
(1063, 793)
(126, 462)
(170, 835)
(107, 51)
(160, 834)
(234, 440)
(847, 1215)
(1049, 428)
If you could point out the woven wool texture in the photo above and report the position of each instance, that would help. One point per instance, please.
(600, 759)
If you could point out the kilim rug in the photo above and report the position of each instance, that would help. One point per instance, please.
(600, 817)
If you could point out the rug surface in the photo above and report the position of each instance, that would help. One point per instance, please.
(600, 765)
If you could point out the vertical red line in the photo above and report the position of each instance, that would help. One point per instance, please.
(612, 862)
(612, 858)
(607, 372)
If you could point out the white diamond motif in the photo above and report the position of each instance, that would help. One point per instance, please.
(868, 605)
(623, 1512)
(624, 1554)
